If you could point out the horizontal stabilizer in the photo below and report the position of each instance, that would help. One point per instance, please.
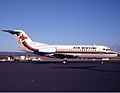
(10, 31)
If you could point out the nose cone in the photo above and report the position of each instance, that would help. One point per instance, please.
(116, 54)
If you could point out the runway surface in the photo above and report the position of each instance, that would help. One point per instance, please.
(16, 76)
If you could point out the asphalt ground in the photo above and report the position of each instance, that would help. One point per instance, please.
(59, 77)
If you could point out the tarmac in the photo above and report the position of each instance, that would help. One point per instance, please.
(59, 77)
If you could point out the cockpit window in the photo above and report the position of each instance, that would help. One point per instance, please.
(107, 49)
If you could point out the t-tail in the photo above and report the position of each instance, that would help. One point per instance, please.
(25, 42)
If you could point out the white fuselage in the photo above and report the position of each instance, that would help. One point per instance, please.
(89, 51)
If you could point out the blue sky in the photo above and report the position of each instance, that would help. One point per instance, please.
(61, 21)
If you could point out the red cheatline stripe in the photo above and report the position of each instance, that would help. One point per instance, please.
(93, 52)
(29, 47)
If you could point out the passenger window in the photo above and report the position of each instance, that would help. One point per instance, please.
(103, 48)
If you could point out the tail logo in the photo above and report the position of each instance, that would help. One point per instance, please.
(22, 38)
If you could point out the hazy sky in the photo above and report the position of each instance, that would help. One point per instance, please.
(61, 21)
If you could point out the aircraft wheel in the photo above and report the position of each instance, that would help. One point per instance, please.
(65, 61)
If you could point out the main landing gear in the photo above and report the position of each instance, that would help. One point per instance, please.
(64, 60)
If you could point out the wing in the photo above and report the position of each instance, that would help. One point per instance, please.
(55, 55)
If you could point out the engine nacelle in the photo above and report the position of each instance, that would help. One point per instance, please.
(47, 49)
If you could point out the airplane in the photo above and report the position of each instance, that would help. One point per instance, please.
(61, 51)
